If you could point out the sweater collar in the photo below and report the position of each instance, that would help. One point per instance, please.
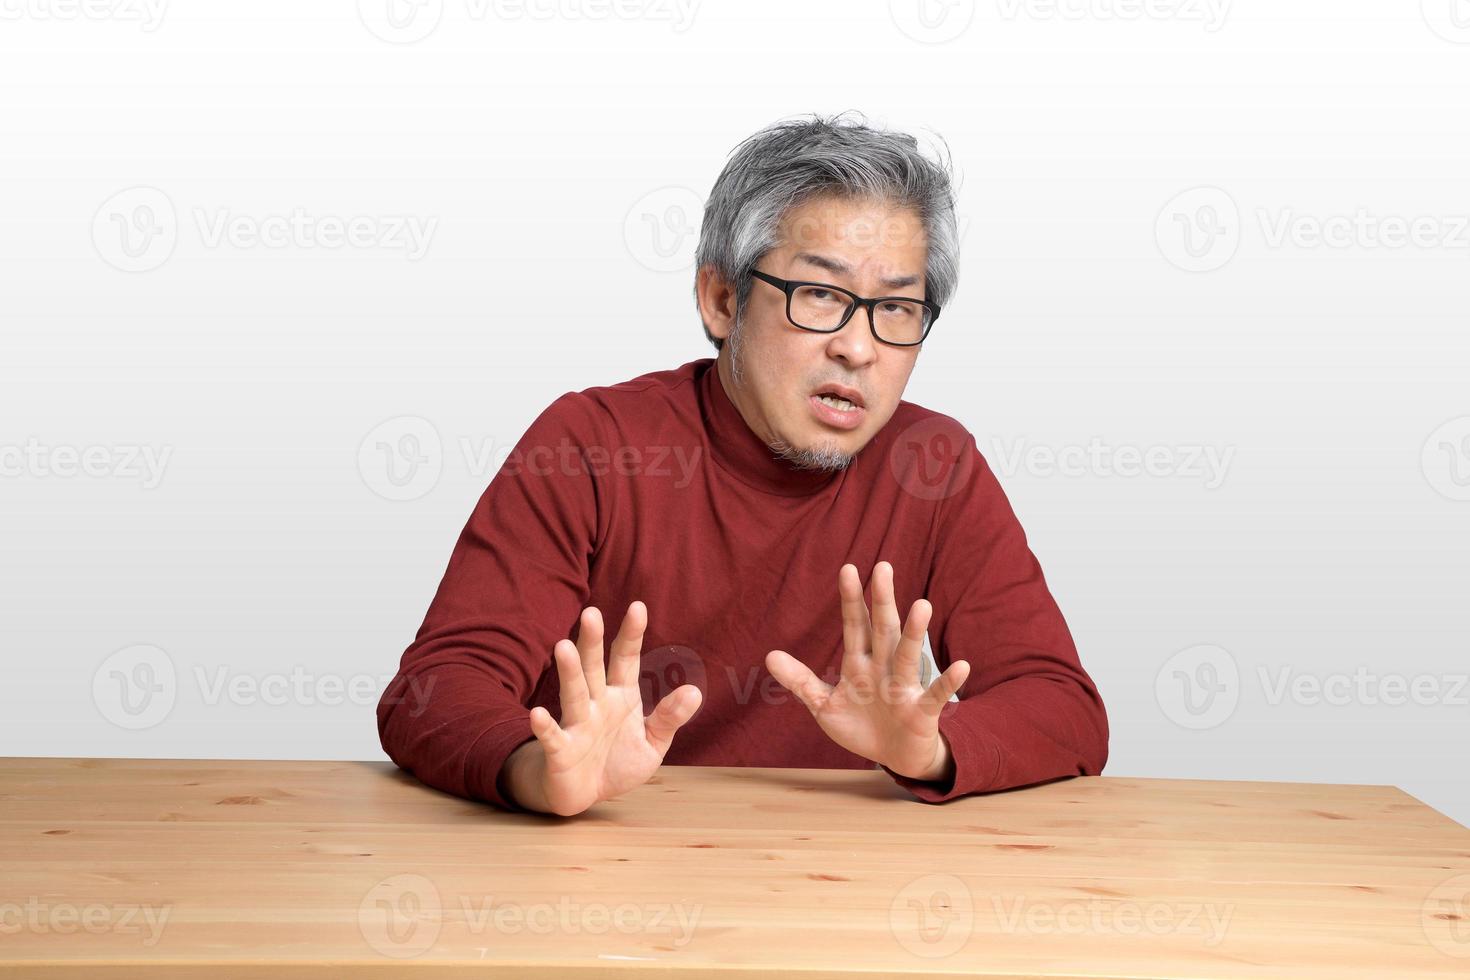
(736, 447)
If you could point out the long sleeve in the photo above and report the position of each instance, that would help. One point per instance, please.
(1029, 712)
(516, 583)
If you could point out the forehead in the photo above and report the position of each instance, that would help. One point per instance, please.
(856, 229)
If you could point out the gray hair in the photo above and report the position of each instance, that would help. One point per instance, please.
(786, 164)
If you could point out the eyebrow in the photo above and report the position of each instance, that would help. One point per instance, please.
(842, 268)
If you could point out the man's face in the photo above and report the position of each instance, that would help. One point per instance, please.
(776, 371)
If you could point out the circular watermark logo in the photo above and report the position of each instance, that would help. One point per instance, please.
(1450, 19)
(1446, 459)
(136, 229)
(664, 669)
(933, 916)
(1446, 916)
(928, 459)
(661, 229)
(400, 21)
(1198, 687)
(136, 687)
(400, 917)
(1199, 230)
(402, 458)
(932, 21)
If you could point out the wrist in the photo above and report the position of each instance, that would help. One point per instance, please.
(520, 777)
(941, 768)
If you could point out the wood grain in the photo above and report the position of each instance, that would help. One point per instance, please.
(128, 868)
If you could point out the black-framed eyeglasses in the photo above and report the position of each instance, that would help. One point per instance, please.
(821, 307)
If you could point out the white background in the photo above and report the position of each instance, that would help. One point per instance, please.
(1138, 194)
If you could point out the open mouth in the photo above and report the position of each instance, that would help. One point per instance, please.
(833, 401)
(837, 411)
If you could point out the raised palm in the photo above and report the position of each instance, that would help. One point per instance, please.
(603, 745)
(879, 708)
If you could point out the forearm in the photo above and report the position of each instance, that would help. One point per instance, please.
(513, 587)
(1044, 727)
(451, 729)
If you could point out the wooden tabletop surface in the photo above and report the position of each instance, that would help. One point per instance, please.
(169, 868)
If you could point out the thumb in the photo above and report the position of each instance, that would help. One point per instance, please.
(670, 715)
(797, 678)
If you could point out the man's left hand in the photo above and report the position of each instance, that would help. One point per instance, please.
(879, 709)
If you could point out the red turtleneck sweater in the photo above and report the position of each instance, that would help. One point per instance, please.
(656, 489)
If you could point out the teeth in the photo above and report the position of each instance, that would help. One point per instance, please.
(841, 404)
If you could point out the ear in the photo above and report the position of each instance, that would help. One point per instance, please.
(716, 301)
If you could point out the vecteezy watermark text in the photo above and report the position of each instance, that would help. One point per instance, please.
(1201, 686)
(1201, 229)
(137, 687)
(147, 14)
(37, 915)
(402, 917)
(137, 230)
(409, 21)
(1209, 13)
(122, 461)
(403, 458)
(1206, 464)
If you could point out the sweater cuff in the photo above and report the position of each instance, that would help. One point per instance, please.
(485, 761)
(976, 757)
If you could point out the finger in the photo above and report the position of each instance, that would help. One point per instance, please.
(854, 620)
(547, 731)
(573, 684)
(627, 646)
(910, 651)
(798, 678)
(944, 685)
(589, 646)
(672, 712)
(887, 628)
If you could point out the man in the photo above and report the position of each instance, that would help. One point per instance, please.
(716, 505)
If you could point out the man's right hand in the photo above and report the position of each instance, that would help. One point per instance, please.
(603, 746)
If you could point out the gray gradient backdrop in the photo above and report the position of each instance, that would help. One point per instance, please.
(267, 327)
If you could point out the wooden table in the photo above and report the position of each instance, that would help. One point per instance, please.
(171, 868)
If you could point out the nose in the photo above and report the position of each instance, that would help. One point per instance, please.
(854, 344)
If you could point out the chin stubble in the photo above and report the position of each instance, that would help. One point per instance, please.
(824, 457)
